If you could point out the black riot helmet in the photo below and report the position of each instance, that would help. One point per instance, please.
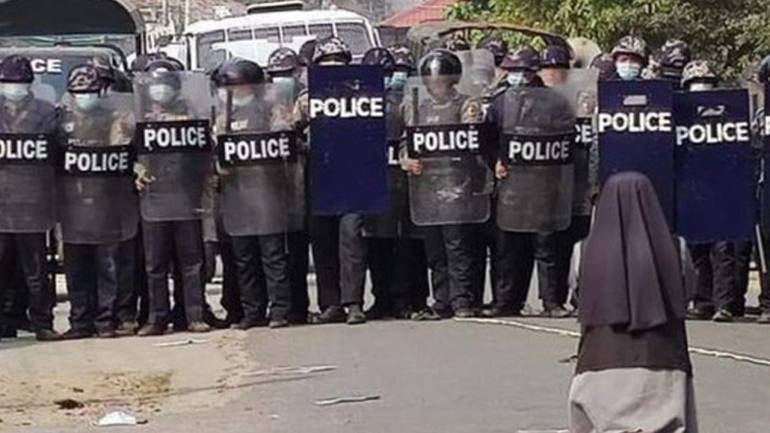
(496, 45)
(381, 57)
(164, 72)
(675, 54)
(237, 72)
(441, 62)
(16, 69)
(85, 79)
(523, 58)
(282, 61)
(332, 48)
(306, 52)
(555, 56)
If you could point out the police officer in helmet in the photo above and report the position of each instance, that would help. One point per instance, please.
(28, 211)
(554, 65)
(260, 253)
(630, 56)
(453, 251)
(339, 250)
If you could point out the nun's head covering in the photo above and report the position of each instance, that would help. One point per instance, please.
(631, 275)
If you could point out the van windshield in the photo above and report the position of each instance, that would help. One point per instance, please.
(356, 36)
(206, 56)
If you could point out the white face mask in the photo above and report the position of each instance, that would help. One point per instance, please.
(162, 93)
(15, 92)
(86, 101)
(517, 79)
(399, 79)
(701, 87)
(628, 70)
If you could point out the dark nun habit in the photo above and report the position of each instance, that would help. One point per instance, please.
(633, 371)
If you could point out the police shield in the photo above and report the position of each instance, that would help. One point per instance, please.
(27, 164)
(173, 143)
(714, 166)
(580, 89)
(446, 138)
(478, 71)
(395, 221)
(636, 133)
(347, 140)
(261, 175)
(97, 198)
(537, 141)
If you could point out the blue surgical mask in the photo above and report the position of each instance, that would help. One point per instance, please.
(86, 101)
(162, 93)
(628, 70)
(14, 92)
(398, 80)
(517, 79)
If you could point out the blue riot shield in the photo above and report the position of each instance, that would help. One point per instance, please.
(348, 140)
(636, 133)
(714, 166)
(764, 193)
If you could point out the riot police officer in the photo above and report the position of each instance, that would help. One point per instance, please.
(98, 210)
(26, 201)
(630, 56)
(714, 261)
(675, 55)
(252, 198)
(605, 65)
(286, 69)
(339, 250)
(396, 256)
(171, 188)
(453, 251)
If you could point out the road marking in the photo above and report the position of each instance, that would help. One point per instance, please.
(574, 334)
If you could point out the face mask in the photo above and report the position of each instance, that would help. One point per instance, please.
(242, 101)
(285, 86)
(516, 79)
(162, 93)
(628, 70)
(86, 101)
(701, 87)
(331, 63)
(15, 92)
(398, 80)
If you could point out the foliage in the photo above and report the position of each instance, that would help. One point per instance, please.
(733, 34)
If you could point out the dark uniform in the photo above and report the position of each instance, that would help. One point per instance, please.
(28, 115)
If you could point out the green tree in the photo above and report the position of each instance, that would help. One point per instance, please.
(733, 34)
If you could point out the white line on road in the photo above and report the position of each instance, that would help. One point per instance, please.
(573, 334)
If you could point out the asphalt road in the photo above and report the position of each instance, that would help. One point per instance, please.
(448, 376)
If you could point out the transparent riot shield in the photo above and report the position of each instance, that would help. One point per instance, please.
(537, 141)
(478, 71)
(173, 143)
(446, 140)
(97, 198)
(260, 171)
(580, 89)
(27, 163)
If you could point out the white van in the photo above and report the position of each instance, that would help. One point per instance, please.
(256, 35)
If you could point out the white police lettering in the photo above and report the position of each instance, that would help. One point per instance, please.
(585, 134)
(96, 162)
(640, 122)
(538, 151)
(348, 108)
(392, 156)
(46, 66)
(716, 133)
(256, 149)
(443, 141)
(23, 149)
(165, 137)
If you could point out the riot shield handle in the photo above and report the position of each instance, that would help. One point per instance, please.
(760, 249)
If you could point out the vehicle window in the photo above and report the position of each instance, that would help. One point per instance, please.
(355, 35)
(205, 46)
(269, 34)
(289, 32)
(321, 30)
(239, 35)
